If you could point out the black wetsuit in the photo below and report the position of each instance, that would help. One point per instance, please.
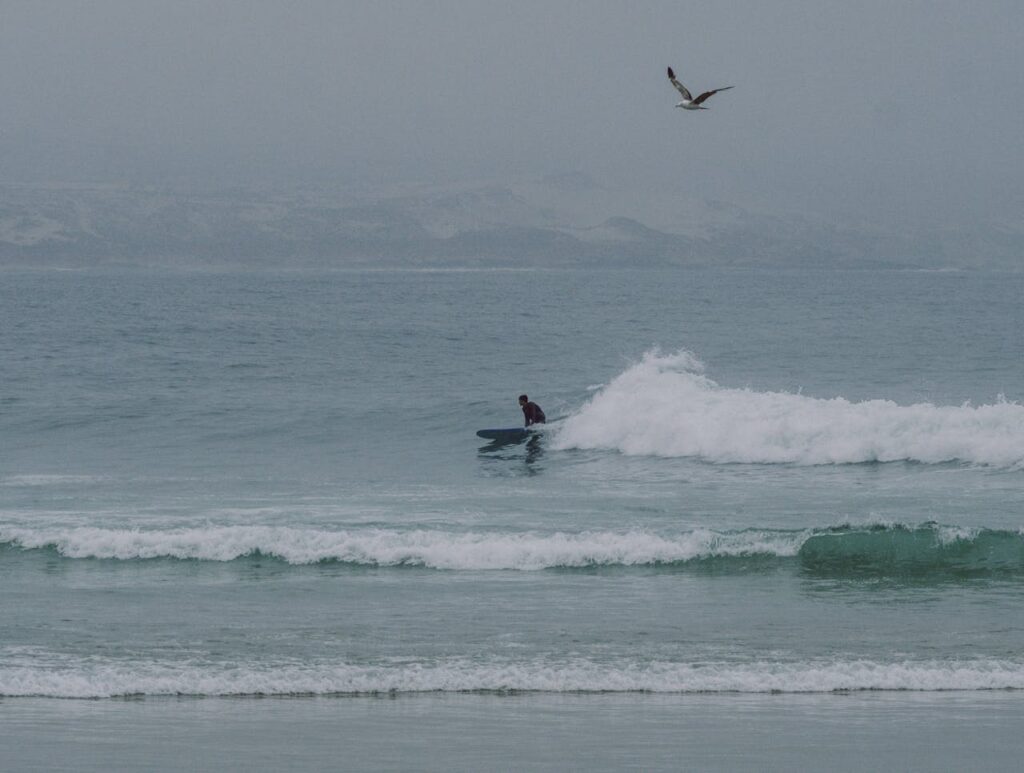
(533, 414)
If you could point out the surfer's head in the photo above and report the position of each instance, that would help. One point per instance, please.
(523, 399)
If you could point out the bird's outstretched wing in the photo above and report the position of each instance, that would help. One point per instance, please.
(707, 94)
(682, 89)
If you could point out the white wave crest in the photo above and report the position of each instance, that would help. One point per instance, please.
(420, 547)
(97, 678)
(664, 406)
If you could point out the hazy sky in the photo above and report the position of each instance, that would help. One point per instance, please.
(871, 108)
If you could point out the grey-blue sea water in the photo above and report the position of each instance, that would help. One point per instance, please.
(774, 517)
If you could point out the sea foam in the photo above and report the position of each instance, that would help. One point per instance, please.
(99, 678)
(665, 406)
(436, 549)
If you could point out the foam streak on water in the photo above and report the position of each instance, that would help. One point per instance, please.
(99, 678)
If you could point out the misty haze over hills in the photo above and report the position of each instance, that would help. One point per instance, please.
(566, 220)
(239, 133)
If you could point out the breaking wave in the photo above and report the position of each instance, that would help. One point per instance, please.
(665, 406)
(882, 550)
(433, 549)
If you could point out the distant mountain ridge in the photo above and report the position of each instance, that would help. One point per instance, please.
(565, 220)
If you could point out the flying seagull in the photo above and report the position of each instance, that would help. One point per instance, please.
(689, 103)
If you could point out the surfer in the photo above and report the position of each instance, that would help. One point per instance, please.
(531, 411)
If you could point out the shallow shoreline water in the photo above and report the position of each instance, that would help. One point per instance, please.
(859, 732)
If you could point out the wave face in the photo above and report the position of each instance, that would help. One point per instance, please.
(99, 678)
(665, 406)
(930, 549)
(880, 550)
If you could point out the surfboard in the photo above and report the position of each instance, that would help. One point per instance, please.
(507, 434)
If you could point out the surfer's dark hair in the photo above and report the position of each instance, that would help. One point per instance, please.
(524, 399)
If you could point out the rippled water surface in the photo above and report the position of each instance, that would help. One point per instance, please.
(752, 484)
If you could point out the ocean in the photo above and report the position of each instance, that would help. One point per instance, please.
(776, 520)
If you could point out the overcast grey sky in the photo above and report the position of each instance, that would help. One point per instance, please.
(870, 108)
